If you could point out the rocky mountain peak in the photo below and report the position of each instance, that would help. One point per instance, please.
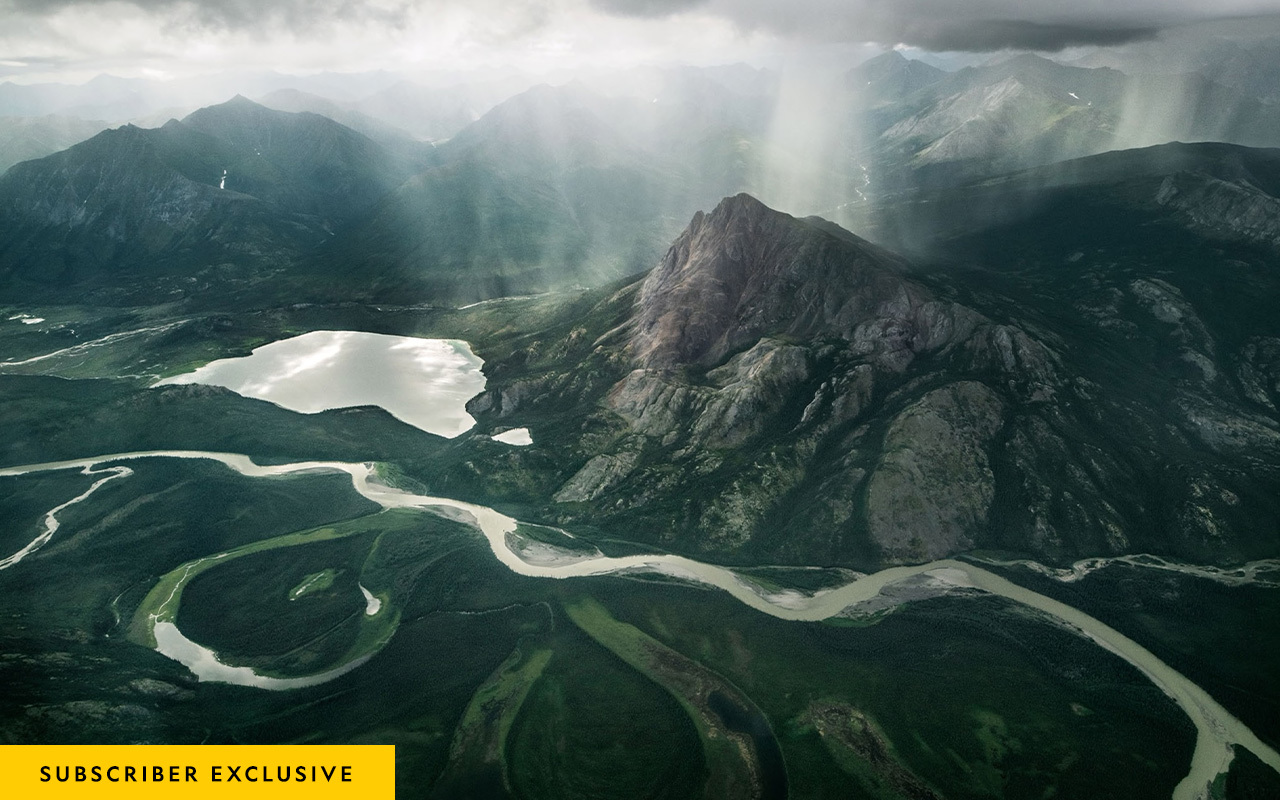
(745, 271)
(739, 215)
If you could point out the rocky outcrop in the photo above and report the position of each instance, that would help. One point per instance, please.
(745, 271)
(744, 393)
(933, 488)
(752, 388)
(597, 476)
(1223, 208)
(1259, 371)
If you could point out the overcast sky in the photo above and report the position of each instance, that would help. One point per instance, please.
(76, 39)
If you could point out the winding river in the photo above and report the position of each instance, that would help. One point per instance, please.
(1217, 730)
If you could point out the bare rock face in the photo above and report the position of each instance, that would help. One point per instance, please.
(753, 386)
(745, 271)
(1260, 371)
(1224, 208)
(596, 477)
(934, 485)
(653, 403)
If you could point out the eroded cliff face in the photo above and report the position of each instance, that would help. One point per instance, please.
(745, 271)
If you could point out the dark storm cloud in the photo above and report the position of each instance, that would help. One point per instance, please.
(973, 25)
(988, 35)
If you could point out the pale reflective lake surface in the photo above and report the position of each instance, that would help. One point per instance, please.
(520, 437)
(424, 382)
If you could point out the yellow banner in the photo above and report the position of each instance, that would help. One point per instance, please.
(230, 772)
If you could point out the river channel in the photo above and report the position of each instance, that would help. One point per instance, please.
(1217, 730)
(426, 382)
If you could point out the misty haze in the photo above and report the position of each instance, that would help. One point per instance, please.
(649, 398)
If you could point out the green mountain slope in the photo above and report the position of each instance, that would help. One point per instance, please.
(234, 195)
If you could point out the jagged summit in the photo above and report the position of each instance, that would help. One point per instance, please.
(745, 271)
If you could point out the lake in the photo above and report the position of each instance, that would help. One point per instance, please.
(423, 382)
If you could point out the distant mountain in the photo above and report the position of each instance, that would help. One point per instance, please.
(295, 101)
(1074, 382)
(557, 187)
(314, 165)
(568, 187)
(105, 97)
(1251, 69)
(540, 193)
(120, 100)
(25, 138)
(229, 196)
(435, 113)
(1025, 111)
(1221, 191)
(890, 77)
(719, 136)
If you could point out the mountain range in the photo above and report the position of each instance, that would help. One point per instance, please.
(224, 197)
(745, 336)
(555, 187)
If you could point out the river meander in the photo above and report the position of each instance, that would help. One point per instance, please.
(1217, 729)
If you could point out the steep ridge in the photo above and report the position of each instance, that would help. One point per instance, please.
(889, 77)
(25, 138)
(778, 389)
(318, 166)
(132, 198)
(232, 195)
(385, 134)
(1221, 191)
